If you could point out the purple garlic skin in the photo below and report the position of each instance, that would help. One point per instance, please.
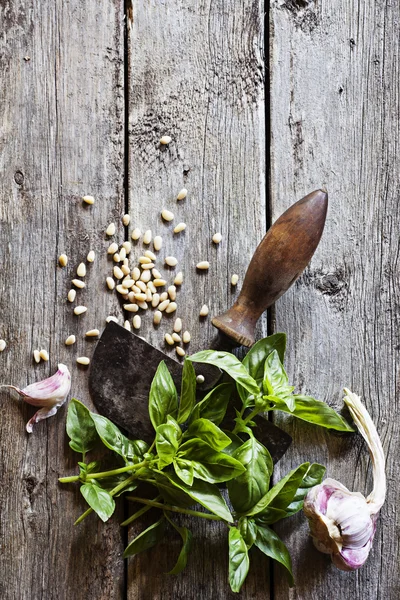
(343, 523)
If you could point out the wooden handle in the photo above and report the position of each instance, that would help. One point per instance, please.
(278, 261)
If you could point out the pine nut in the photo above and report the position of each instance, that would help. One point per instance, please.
(157, 243)
(178, 278)
(136, 289)
(234, 279)
(143, 305)
(126, 262)
(141, 285)
(203, 265)
(71, 339)
(136, 233)
(147, 237)
(163, 305)
(157, 317)
(83, 360)
(63, 260)
(91, 256)
(2, 345)
(128, 283)
(155, 301)
(143, 260)
(186, 337)
(141, 297)
(112, 248)
(171, 307)
(180, 227)
(131, 307)
(176, 337)
(36, 354)
(166, 139)
(156, 273)
(167, 215)
(204, 310)
(182, 194)
(81, 270)
(148, 267)
(127, 325)
(172, 292)
(178, 325)
(78, 283)
(125, 270)
(116, 258)
(110, 229)
(71, 295)
(149, 254)
(149, 296)
(171, 261)
(121, 289)
(135, 273)
(159, 282)
(137, 321)
(127, 246)
(131, 297)
(126, 219)
(122, 253)
(163, 296)
(180, 351)
(216, 238)
(92, 333)
(145, 276)
(44, 355)
(200, 379)
(111, 318)
(168, 339)
(151, 287)
(79, 310)
(88, 199)
(118, 274)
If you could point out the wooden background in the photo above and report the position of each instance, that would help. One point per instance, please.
(264, 103)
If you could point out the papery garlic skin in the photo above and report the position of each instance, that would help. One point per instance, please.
(343, 523)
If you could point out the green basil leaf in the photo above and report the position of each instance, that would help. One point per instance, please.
(209, 433)
(80, 427)
(236, 441)
(188, 391)
(270, 544)
(269, 516)
(187, 542)
(247, 489)
(248, 531)
(147, 539)
(172, 494)
(167, 441)
(163, 398)
(230, 364)
(99, 500)
(115, 440)
(208, 464)
(276, 381)
(184, 470)
(314, 411)
(239, 561)
(109, 483)
(213, 406)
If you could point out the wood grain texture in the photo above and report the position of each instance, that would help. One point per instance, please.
(196, 74)
(61, 136)
(334, 119)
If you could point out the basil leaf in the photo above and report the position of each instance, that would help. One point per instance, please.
(213, 406)
(270, 544)
(314, 411)
(163, 399)
(209, 433)
(247, 489)
(230, 364)
(109, 483)
(167, 441)
(115, 440)
(187, 542)
(239, 561)
(248, 531)
(147, 539)
(99, 500)
(270, 515)
(184, 470)
(80, 427)
(188, 391)
(236, 441)
(171, 493)
(208, 464)
(276, 381)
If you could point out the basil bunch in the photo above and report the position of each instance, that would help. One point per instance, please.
(191, 454)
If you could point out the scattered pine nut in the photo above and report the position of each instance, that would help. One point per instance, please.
(163, 296)
(63, 260)
(167, 215)
(157, 243)
(159, 282)
(156, 273)
(121, 289)
(44, 355)
(126, 262)
(178, 278)
(143, 305)
(71, 339)
(131, 307)
(148, 267)
(126, 219)
(200, 378)
(88, 199)
(135, 289)
(146, 275)
(168, 338)
(83, 360)
(172, 306)
(203, 265)
(122, 254)
(186, 337)
(163, 305)
(135, 273)
(155, 301)
(141, 297)
(91, 256)
(141, 285)
(111, 318)
(78, 283)
(127, 283)
(149, 254)
(81, 270)
(137, 321)
(118, 274)
(110, 283)
(149, 295)
(182, 194)
(180, 351)
(143, 260)
(234, 279)
(166, 139)
(178, 325)
(125, 270)
(180, 227)
(136, 233)
(131, 297)
(127, 325)
(152, 287)
(71, 295)
(112, 248)
(116, 258)
(36, 355)
(204, 310)
(147, 237)
(92, 333)
(176, 337)
(2, 345)
(157, 317)
(128, 247)
(216, 238)
(172, 292)
(110, 229)
(171, 261)
(79, 310)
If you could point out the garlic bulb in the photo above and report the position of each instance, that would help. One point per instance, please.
(343, 523)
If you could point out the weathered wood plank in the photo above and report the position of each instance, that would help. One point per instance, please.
(61, 137)
(335, 107)
(196, 73)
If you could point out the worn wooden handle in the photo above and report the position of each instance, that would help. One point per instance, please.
(278, 261)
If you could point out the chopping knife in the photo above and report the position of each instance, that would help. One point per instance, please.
(123, 364)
